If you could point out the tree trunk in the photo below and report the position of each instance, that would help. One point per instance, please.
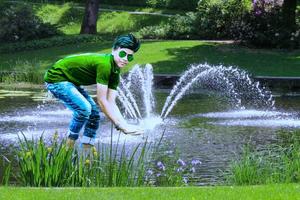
(89, 23)
(289, 14)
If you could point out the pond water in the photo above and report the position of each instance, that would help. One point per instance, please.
(202, 126)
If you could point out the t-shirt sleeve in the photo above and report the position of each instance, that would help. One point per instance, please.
(106, 75)
(103, 74)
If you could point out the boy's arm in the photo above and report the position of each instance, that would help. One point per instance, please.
(106, 99)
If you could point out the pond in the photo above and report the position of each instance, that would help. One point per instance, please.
(201, 126)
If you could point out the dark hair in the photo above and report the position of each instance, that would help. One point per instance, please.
(127, 41)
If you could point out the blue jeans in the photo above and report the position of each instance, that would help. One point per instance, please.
(85, 110)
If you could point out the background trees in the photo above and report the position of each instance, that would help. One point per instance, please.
(89, 23)
(259, 23)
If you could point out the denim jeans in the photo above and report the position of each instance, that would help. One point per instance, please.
(85, 110)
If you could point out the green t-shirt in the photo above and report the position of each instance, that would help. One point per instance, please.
(85, 69)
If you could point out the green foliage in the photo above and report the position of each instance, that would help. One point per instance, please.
(245, 171)
(57, 14)
(215, 17)
(275, 164)
(18, 23)
(265, 28)
(169, 170)
(6, 166)
(53, 164)
(178, 27)
(44, 165)
(169, 4)
(212, 20)
(173, 4)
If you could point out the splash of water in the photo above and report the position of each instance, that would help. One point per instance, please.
(138, 88)
(233, 83)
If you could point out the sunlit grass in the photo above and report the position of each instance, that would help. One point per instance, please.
(263, 192)
(171, 57)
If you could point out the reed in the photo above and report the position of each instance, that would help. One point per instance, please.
(7, 171)
(275, 164)
(53, 164)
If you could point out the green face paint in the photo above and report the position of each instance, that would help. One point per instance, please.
(123, 54)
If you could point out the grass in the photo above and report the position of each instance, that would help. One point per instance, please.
(274, 192)
(274, 164)
(69, 17)
(166, 57)
(50, 163)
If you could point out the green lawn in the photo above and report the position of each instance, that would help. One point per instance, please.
(268, 192)
(167, 57)
(68, 18)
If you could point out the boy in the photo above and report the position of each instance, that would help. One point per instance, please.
(66, 76)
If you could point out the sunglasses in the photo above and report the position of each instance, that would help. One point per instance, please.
(123, 54)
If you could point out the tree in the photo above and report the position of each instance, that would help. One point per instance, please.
(89, 23)
(289, 14)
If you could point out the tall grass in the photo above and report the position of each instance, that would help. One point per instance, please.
(6, 171)
(275, 164)
(44, 164)
(50, 163)
(54, 164)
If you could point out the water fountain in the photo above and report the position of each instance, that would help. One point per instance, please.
(235, 84)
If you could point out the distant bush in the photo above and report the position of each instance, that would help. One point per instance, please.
(173, 4)
(18, 23)
(215, 18)
(178, 27)
(189, 5)
(263, 27)
(258, 25)
(212, 20)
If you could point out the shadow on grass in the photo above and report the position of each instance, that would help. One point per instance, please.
(257, 62)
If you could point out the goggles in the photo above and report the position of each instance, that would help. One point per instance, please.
(123, 54)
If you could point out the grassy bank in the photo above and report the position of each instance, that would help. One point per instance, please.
(286, 191)
(166, 57)
(28, 61)
(68, 17)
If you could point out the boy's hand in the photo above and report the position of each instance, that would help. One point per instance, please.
(130, 129)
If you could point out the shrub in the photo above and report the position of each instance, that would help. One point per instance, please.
(173, 4)
(178, 27)
(215, 18)
(18, 23)
(212, 20)
(263, 27)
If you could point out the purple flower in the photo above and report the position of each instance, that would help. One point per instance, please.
(160, 166)
(149, 172)
(181, 162)
(196, 162)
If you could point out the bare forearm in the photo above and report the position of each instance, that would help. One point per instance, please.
(112, 112)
